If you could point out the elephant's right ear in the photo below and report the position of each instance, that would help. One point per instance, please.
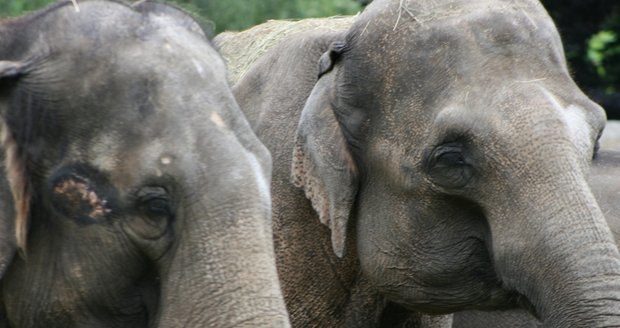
(323, 165)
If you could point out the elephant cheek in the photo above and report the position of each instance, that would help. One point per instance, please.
(77, 198)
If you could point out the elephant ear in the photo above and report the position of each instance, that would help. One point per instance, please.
(8, 232)
(330, 57)
(322, 163)
(13, 216)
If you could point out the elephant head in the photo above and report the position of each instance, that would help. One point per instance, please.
(450, 139)
(135, 191)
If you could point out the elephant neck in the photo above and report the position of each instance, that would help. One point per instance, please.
(318, 286)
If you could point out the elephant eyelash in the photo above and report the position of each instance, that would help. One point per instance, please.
(157, 205)
(449, 166)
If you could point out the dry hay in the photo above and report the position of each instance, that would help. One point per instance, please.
(242, 49)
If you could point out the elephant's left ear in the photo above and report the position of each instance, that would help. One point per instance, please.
(323, 165)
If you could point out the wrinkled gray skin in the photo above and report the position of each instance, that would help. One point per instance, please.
(605, 183)
(445, 148)
(517, 318)
(146, 189)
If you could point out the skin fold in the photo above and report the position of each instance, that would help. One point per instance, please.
(133, 193)
(438, 164)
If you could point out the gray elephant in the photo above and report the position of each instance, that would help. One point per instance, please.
(442, 158)
(135, 192)
(241, 50)
(605, 184)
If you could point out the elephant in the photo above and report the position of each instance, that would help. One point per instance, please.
(241, 50)
(133, 190)
(604, 181)
(433, 158)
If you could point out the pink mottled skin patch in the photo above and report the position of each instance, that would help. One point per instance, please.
(77, 192)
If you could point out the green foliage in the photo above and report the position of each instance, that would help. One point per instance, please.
(19, 7)
(600, 46)
(241, 14)
(227, 14)
(604, 53)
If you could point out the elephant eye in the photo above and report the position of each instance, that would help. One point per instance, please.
(448, 166)
(449, 159)
(155, 201)
(158, 206)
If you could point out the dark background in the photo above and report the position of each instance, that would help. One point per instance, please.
(590, 30)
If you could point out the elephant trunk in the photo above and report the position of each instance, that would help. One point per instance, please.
(222, 271)
(553, 246)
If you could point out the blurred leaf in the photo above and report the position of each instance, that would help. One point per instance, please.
(597, 48)
(603, 53)
(20, 7)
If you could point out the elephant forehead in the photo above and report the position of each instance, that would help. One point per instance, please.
(105, 150)
(172, 50)
(127, 162)
(458, 43)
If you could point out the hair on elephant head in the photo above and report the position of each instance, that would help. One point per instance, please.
(134, 188)
(447, 148)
